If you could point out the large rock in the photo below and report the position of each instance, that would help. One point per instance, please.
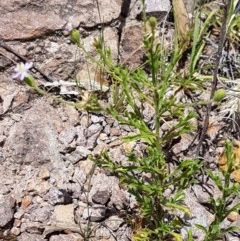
(30, 236)
(131, 45)
(199, 216)
(95, 213)
(30, 20)
(33, 140)
(158, 6)
(64, 214)
(6, 210)
(66, 237)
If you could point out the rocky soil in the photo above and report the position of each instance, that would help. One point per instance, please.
(50, 189)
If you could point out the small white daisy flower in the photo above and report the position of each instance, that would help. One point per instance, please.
(21, 71)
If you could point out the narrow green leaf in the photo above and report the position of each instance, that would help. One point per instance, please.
(201, 228)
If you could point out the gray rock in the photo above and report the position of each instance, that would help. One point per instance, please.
(19, 214)
(75, 190)
(44, 173)
(117, 153)
(233, 238)
(79, 154)
(157, 6)
(66, 237)
(101, 197)
(148, 112)
(124, 233)
(7, 101)
(4, 189)
(204, 196)
(58, 196)
(191, 4)
(41, 214)
(83, 151)
(72, 116)
(131, 50)
(68, 135)
(64, 214)
(84, 120)
(43, 188)
(7, 205)
(135, 10)
(103, 233)
(111, 40)
(81, 140)
(118, 198)
(107, 130)
(196, 209)
(92, 141)
(29, 236)
(96, 119)
(110, 120)
(31, 227)
(47, 18)
(34, 139)
(79, 211)
(102, 182)
(79, 176)
(114, 222)
(95, 213)
(93, 129)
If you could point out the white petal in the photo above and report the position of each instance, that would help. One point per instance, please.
(28, 65)
(23, 75)
(16, 69)
(15, 75)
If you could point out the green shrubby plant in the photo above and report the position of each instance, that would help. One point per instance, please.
(157, 208)
(220, 206)
(137, 86)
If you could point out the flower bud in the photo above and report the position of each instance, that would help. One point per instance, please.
(152, 22)
(75, 36)
(29, 80)
(219, 95)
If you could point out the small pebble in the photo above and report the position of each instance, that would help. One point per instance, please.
(44, 174)
(15, 231)
(26, 201)
(232, 216)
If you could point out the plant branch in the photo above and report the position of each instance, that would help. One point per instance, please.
(215, 74)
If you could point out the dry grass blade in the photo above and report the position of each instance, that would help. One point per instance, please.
(181, 20)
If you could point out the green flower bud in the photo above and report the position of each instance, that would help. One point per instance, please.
(219, 95)
(29, 80)
(75, 36)
(152, 22)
